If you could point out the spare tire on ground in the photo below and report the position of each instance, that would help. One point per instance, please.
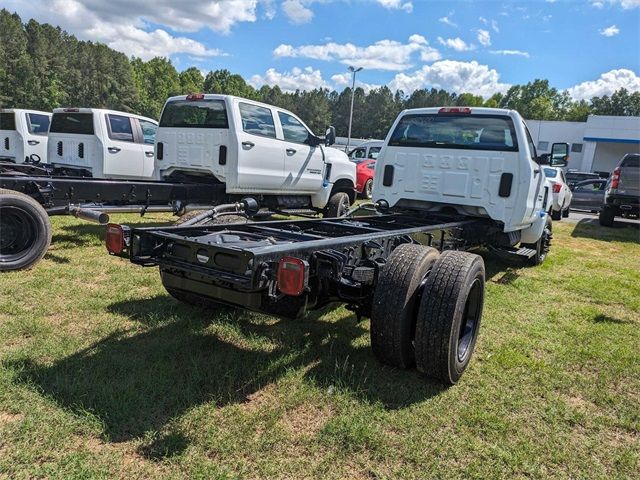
(25, 231)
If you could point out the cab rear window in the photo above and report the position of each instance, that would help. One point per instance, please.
(467, 132)
(7, 121)
(195, 114)
(72, 122)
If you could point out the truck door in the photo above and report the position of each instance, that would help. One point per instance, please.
(303, 164)
(122, 156)
(260, 155)
(147, 136)
(36, 135)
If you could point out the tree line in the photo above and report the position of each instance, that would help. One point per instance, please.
(44, 67)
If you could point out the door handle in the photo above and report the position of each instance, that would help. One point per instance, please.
(536, 172)
(113, 149)
(33, 142)
(149, 154)
(290, 151)
(248, 144)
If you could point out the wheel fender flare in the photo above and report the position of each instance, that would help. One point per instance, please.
(532, 233)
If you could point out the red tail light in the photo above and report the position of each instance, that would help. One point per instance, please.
(462, 110)
(115, 239)
(615, 178)
(557, 187)
(293, 274)
(195, 96)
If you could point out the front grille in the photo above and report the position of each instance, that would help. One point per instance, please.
(81, 150)
(60, 149)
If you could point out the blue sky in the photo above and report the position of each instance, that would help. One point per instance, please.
(591, 47)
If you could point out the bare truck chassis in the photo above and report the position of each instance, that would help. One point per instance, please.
(409, 271)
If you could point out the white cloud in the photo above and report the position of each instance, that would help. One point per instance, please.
(296, 11)
(611, 31)
(452, 76)
(396, 5)
(484, 38)
(447, 21)
(492, 23)
(382, 55)
(511, 52)
(608, 83)
(624, 4)
(345, 80)
(457, 44)
(123, 24)
(296, 79)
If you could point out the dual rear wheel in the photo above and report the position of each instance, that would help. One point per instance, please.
(427, 310)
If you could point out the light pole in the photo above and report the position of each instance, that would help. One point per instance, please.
(353, 93)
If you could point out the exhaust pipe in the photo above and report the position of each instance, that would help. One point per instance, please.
(90, 215)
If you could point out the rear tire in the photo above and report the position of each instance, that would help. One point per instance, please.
(565, 212)
(395, 302)
(338, 205)
(25, 231)
(448, 320)
(607, 216)
(556, 215)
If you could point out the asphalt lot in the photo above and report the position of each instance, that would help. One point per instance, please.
(576, 216)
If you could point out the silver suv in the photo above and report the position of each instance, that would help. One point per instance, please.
(622, 192)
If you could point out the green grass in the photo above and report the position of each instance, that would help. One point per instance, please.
(103, 375)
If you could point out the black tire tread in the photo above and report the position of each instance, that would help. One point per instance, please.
(607, 216)
(42, 213)
(437, 310)
(333, 205)
(390, 310)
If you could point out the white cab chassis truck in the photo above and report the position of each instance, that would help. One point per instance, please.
(449, 181)
(23, 135)
(253, 149)
(98, 143)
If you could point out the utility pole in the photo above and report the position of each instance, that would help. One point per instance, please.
(353, 70)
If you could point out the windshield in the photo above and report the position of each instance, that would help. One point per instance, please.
(467, 132)
(78, 123)
(194, 114)
(7, 121)
(631, 161)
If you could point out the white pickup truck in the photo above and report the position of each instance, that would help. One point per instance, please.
(93, 142)
(253, 149)
(23, 134)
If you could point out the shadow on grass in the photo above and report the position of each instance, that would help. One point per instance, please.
(135, 384)
(602, 318)
(622, 231)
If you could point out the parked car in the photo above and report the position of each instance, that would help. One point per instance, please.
(365, 171)
(574, 177)
(588, 195)
(253, 149)
(99, 143)
(23, 134)
(622, 192)
(365, 150)
(561, 193)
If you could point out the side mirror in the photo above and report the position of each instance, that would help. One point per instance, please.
(559, 154)
(314, 141)
(544, 159)
(330, 136)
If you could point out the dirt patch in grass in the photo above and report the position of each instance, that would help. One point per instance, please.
(305, 420)
(8, 418)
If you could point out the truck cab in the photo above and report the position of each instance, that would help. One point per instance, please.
(23, 134)
(478, 162)
(100, 143)
(252, 148)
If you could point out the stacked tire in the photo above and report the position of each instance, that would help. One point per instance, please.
(427, 310)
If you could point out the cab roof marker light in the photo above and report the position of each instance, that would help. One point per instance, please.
(195, 96)
(459, 110)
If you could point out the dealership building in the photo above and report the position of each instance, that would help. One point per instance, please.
(597, 145)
